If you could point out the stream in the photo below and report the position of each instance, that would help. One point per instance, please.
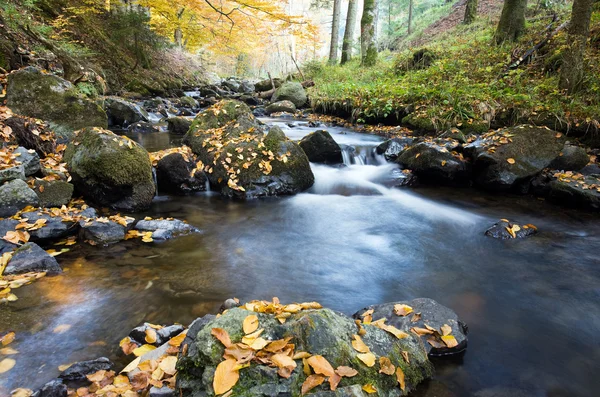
(352, 240)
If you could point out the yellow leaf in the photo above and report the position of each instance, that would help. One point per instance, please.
(510, 160)
(8, 338)
(445, 330)
(367, 358)
(6, 365)
(226, 376)
(250, 324)
(402, 310)
(369, 388)
(8, 351)
(386, 366)
(311, 382)
(283, 360)
(394, 331)
(346, 371)
(320, 365)
(359, 345)
(132, 365)
(177, 340)
(449, 340)
(222, 336)
(140, 351)
(150, 336)
(168, 365)
(400, 378)
(443, 163)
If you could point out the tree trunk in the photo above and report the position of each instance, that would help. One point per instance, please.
(178, 36)
(410, 16)
(512, 21)
(572, 69)
(335, 32)
(470, 12)
(367, 33)
(349, 32)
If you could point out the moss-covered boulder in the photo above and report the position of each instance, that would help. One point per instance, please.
(178, 125)
(265, 85)
(434, 163)
(110, 170)
(53, 193)
(240, 161)
(316, 332)
(514, 156)
(291, 91)
(33, 93)
(14, 196)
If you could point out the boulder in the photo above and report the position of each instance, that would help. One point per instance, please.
(101, 232)
(80, 370)
(320, 332)
(571, 158)
(246, 87)
(591, 170)
(291, 91)
(110, 170)
(504, 230)
(12, 173)
(123, 113)
(29, 159)
(53, 193)
(14, 196)
(143, 127)
(582, 193)
(34, 93)
(232, 85)
(241, 161)
(281, 107)
(265, 85)
(7, 225)
(163, 229)
(188, 102)
(250, 100)
(320, 147)
(512, 165)
(178, 125)
(392, 148)
(425, 312)
(31, 258)
(174, 175)
(54, 388)
(433, 163)
(54, 228)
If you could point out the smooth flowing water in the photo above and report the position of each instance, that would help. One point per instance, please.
(531, 305)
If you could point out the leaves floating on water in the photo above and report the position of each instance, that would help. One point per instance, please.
(6, 365)
(61, 329)
(7, 339)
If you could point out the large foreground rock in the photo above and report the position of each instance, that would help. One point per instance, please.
(512, 165)
(317, 332)
(291, 91)
(435, 164)
(320, 147)
(240, 160)
(110, 170)
(14, 196)
(31, 258)
(36, 94)
(425, 312)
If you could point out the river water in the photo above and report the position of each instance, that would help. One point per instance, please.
(532, 305)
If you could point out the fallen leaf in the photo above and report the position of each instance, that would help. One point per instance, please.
(386, 366)
(510, 160)
(449, 340)
(140, 351)
(241, 353)
(367, 358)
(445, 330)
(7, 339)
(348, 372)
(415, 317)
(334, 381)
(168, 365)
(178, 340)
(402, 310)
(226, 376)
(61, 328)
(405, 356)
(311, 382)
(421, 331)
(150, 336)
(400, 378)
(250, 324)
(320, 365)
(8, 351)
(222, 336)
(6, 365)
(394, 331)
(359, 345)
(435, 343)
(139, 380)
(300, 355)
(132, 365)
(369, 388)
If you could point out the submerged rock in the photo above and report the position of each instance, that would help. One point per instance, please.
(164, 229)
(291, 91)
(110, 170)
(80, 370)
(103, 233)
(512, 165)
(174, 175)
(31, 258)
(44, 96)
(123, 113)
(320, 147)
(505, 230)
(281, 107)
(318, 332)
(240, 160)
(435, 164)
(425, 312)
(14, 196)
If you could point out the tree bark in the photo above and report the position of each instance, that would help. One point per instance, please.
(512, 21)
(470, 12)
(349, 31)
(410, 16)
(335, 32)
(367, 33)
(572, 69)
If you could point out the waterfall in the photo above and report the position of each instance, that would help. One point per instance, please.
(207, 185)
(155, 181)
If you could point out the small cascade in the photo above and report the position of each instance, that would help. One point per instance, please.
(361, 155)
(207, 185)
(155, 182)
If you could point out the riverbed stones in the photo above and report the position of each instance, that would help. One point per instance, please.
(110, 170)
(291, 91)
(12, 173)
(506, 230)
(582, 193)
(101, 232)
(30, 257)
(433, 163)
(80, 370)
(164, 229)
(512, 165)
(123, 113)
(570, 158)
(319, 332)
(178, 175)
(53, 193)
(392, 148)
(29, 159)
(178, 125)
(34, 93)
(163, 335)
(7, 225)
(14, 196)
(54, 228)
(265, 85)
(432, 314)
(320, 147)
(240, 160)
(281, 107)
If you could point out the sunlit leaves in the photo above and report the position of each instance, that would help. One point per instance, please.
(320, 365)
(226, 376)
(6, 365)
(367, 358)
(250, 324)
(311, 382)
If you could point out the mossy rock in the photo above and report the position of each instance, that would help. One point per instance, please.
(318, 332)
(291, 91)
(36, 94)
(421, 123)
(110, 170)
(53, 193)
(178, 125)
(227, 137)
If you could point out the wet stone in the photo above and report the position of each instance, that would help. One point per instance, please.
(55, 227)
(81, 369)
(10, 174)
(500, 230)
(30, 257)
(102, 233)
(54, 388)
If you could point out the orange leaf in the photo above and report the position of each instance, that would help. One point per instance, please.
(222, 336)
(359, 345)
(386, 366)
(367, 358)
(320, 365)
(510, 160)
(226, 376)
(311, 382)
(400, 378)
(348, 372)
(250, 324)
(334, 381)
